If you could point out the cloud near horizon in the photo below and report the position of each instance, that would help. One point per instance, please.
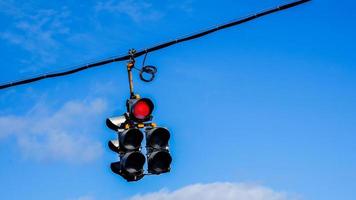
(217, 191)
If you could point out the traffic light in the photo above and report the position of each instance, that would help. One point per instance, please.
(140, 110)
(132, 160)
(128, 146)
(158, 156)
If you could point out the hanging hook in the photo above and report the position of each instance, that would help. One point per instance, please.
(149, 69)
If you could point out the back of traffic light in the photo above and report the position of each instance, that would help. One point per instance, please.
(129, 138)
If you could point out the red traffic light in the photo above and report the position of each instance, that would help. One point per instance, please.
(141, 110)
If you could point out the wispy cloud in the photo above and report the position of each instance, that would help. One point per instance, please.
(217, 191)
(48, 34)
(36, 31)
(137, 10)
(86, 197)
(65, 134)
(183, 5)
(8, 7)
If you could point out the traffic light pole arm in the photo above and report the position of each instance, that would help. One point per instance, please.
(155, 48)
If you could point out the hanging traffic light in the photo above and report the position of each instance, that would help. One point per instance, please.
(158, 156)
(128, 145)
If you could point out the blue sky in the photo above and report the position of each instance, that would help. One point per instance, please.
(266, 110)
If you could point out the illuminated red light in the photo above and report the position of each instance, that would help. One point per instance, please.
(142, 109)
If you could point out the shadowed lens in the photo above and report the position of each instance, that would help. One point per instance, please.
(133, 162)
(158, 138)
(159, 162)
(131, 139)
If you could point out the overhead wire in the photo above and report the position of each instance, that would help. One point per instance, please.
(155, 48)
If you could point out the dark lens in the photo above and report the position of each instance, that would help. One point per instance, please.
(134, 162)
(159, 162)
(159, 138)
(131, 139)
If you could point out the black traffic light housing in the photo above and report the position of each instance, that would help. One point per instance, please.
(128, 144)
(158, 156)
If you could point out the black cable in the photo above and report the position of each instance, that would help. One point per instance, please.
(144, 60)
(155, 48)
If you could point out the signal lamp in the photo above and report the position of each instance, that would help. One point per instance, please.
(157, 137)
(130, 166)
(133, 162)
(131, 139)
(159, 162)
(140, 109)
(128, 146)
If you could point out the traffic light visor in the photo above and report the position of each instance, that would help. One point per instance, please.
(115, 123)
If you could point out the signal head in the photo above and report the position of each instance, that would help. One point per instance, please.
(158, 156)
(159, 162)
(133, 162)
(157, 137)
(130, 139)
(130, 166)
(140, 109)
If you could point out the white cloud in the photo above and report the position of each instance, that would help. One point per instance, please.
(137, 10)
(217, 191)
(64, 134)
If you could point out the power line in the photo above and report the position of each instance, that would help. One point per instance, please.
(157, 47)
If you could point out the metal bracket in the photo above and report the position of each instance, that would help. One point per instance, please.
(130, 65)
